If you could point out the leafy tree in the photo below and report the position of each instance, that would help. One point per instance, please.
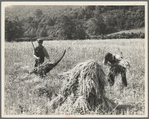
(38, 13)
(79, 32)
(81, 14)
(110, 29)
(128, 24)
(32, 32)
(111, 21)
(90, 8)
(95, 27)
(73, 15)
(34, 24)
(98, 9)
(49, 22)
(65, 27)
(43, 32)
(88, 14)
(29, 19)
(13, 29)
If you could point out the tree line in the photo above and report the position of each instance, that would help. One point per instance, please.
(82, 23)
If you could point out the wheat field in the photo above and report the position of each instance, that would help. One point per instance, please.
(21, 96)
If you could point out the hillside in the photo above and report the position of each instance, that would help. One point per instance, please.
(25, 11)
(72, 22)
(130, 31)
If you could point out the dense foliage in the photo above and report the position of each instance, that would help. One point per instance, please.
(79, 23)
(13, 30)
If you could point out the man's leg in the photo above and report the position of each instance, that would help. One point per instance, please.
(124, 80)
(111, 77)
(36, 63)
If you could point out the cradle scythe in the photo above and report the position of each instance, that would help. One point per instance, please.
(44, 68)
(32, 43)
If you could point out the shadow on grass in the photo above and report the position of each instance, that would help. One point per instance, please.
(125, 107)
(124, 110)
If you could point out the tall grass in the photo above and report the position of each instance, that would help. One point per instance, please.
(22, 95)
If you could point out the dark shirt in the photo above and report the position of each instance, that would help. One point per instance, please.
(39, 52)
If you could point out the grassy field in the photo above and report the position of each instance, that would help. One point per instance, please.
(21, 95)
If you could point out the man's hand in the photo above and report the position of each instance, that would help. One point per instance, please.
(37, 58)
(107, 63)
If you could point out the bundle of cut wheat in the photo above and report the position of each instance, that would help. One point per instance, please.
(86, 77)
(83, 88)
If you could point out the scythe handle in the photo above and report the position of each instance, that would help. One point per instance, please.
(33, 45)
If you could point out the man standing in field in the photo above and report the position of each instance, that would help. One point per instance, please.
(40, 53)
(117, 66)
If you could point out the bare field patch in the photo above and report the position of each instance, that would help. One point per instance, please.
(30, 95)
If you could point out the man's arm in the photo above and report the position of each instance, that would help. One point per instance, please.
(105, 62)
(35, 56)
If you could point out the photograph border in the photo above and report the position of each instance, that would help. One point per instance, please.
(4, 4)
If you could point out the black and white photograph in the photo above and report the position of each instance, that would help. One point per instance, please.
(74, 59)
